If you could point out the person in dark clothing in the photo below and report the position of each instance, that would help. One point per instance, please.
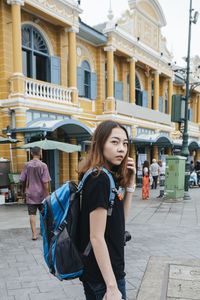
(103, 276)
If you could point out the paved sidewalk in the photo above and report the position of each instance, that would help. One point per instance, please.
(159, 229)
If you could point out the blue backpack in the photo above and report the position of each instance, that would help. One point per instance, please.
(60, 231)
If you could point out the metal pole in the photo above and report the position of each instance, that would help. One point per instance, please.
(185, 151)
(11, 158)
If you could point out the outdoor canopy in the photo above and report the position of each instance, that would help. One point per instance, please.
(6, 140)
(52, 145)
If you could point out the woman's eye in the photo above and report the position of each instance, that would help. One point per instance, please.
(114, 142)
(126, 144)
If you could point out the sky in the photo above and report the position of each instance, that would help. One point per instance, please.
(176, 13)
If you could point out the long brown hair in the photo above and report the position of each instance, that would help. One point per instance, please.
(95, 157)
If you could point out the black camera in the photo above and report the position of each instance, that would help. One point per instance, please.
(127, 237)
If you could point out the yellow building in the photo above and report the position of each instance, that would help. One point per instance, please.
(60, 77)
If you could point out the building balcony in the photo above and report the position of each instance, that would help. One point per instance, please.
(47, 91)
(29, 91)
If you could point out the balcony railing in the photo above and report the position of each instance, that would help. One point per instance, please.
(47, 91)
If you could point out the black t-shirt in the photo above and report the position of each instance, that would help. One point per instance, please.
(96, 192)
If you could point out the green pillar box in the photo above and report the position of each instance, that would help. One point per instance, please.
(174, 177)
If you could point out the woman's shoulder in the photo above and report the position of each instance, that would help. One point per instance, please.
(95, 178)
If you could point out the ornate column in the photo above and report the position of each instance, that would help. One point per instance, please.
(20, 122)
(149, 154)
(5, 121)
(156, 91)
(17, 84)
(16, 35)
(64, 166)
(73, 163)
(198, 154)
(132, 62)
(110, 72)
(110, 101)
(170, 93)
(63, 46)
(155, 152)
(72, 62)
(169, 151)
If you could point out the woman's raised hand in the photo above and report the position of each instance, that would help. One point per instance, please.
(112, 295)
(132, 171)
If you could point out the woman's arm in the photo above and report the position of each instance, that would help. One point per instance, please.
(128, 195)
(98, 219)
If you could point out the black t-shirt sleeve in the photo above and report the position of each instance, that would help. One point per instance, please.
(97, 191)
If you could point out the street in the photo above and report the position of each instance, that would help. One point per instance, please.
(160, 231)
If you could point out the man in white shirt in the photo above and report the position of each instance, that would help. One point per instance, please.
(154, 170)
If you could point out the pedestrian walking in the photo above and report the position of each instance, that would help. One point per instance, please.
(154, 170)
(35, 178)
(162, 178)
(145, 181)
(103, 276)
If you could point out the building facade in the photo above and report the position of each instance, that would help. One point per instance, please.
(60, 77)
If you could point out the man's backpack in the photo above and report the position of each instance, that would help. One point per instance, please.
(59, 224)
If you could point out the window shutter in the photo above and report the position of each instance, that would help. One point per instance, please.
(145, 98)
(80, 81)
(55, 69)
(127, 91)
(190, 114)
(166, 105)
(118, 87)
(161, 104)
(93, 85)
(139, 97)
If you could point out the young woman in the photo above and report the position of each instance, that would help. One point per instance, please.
(145, 181)
(103, 276)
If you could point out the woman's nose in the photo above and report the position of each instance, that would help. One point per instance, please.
(121, 147)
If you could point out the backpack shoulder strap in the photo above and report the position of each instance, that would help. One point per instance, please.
(113, 190)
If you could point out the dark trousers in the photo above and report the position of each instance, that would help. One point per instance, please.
(96, 291)
(154, 184)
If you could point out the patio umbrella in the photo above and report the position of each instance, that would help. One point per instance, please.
(52, 145)
(9, 140)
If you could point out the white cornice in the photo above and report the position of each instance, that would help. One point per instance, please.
(64, 11)
(20, 2)
(109, 48)
(33, 104)
(132, 59)
(134, 121)
(156, 72)
(72, 29)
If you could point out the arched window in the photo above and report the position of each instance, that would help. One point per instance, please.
(87, 79)
(35, 54)
(138, 92)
